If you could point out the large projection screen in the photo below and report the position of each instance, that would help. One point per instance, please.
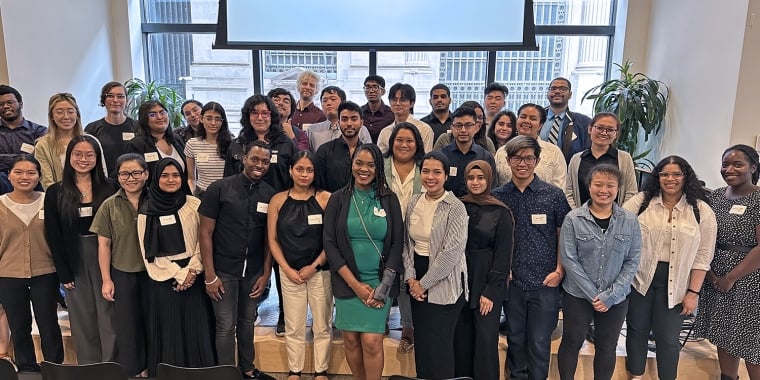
(376, 25)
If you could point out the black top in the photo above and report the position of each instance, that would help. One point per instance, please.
(113, 139)
(333, 166)
(146, 146)
(438, 127)
(458, 162)
(239, 207)
(299, 231)
(278, 175)
(63, 235)
(338, 246)
(489, 251)
(588, 161)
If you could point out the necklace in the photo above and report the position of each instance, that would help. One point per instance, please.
(362, 198)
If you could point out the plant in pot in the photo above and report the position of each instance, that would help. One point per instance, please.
(640, 103)
(139, 92)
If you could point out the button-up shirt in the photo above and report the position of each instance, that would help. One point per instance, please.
(600, 263)
(438, 127)
(538, 212)
(376, 121)
(12, 141)
(333, 166)
(325, 131)
(310, 114)
(383, 140)
(117, 220)
(550, 168)
(458, 162)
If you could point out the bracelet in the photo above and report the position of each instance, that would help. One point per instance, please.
(690, 290)
(216, 278)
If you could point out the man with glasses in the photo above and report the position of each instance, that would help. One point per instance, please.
(440, 118)
(191, 111)
(495, 98)
(538, 209)
(328, 130)
(563, 128)
(463, 150)
(376, 114)
(402, 97)
(17, 135)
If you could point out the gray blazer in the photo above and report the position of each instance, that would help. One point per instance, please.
(446, 278)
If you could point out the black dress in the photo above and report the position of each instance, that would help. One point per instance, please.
(299, 231)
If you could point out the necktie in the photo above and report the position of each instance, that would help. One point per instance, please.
(554, 132)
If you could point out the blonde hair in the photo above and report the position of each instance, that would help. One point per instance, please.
(53, 129)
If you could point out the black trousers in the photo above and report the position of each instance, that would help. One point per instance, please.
(476, 344)
(130, 318)
(42, 291)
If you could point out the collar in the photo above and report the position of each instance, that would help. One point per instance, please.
(26, 124)
(247, 182)
(617, 211)
(679, 206)
(534, 185)
(308, 108)
(612, 152)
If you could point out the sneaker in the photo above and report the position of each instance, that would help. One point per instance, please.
(257, 375)
(280, 329)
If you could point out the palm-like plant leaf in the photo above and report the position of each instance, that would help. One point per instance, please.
(139, 92)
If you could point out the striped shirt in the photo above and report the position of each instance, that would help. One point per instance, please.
(209, 167)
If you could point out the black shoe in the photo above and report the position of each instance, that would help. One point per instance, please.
(257, 375)
(280, 329)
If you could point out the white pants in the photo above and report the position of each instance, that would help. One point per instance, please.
(315, 293)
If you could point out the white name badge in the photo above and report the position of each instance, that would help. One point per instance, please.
(151, 156)
(538, 218)
(41, 215)
(85, 212)
(202, 157)
(689, 230)
(315, 219)
(167, 220)
(379, 212)
(574, 137)
(305, 127)
(737, 209)
(453, 171)
(26, 148)
(126, 136)
(273, 159)
(262, 207)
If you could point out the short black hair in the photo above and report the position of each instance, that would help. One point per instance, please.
(189, 101)
(569, 85)
(281, 91)
(438, 156)
(106, 89)
(375, 78)
(5, 90)
(407, 92)
(333, 90)
(440, 86)
(351, 106)
(464, 111)
(541, 111)
(495, 86)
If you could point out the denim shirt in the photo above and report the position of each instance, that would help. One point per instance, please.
(600, 264)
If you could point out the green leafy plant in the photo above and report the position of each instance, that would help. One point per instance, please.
(139, 92)
(640, 103)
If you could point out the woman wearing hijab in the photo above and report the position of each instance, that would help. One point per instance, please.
(489, 256)
(180, 327)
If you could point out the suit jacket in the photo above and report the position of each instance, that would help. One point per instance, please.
(580, 123)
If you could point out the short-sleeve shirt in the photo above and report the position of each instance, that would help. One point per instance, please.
(17, 141)
(209, 166)
(117, 220)
(113, 139)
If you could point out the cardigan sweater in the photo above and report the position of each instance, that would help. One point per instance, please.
(627, 188)
(24, 253)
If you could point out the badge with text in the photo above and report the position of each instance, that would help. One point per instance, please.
(126, 136)
(202, 157)
(167, 220)
(273, 159)
(151, 156)
(379, 212)
(85, 212)
(41, 214)
(27, 148)
(737, 209)
(315, 219)
(538, 218)
(262, 207)
(453, 171)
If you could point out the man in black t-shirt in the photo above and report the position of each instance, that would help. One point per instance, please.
(116, 129)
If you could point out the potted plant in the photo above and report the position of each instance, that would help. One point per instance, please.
(139, 92)
(640, 103)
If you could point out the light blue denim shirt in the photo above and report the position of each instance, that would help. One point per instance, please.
(600, 263)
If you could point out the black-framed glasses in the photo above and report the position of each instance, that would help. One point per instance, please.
(134, 174)
(529, 160)
(116, 96)
(466, 126)
(372, 87)
(606, 130)
(559, 88)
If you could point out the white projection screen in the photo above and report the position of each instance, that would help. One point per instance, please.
(376, 25)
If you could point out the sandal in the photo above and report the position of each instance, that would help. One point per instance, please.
(292, 373)
(320, 374)
(405, 345)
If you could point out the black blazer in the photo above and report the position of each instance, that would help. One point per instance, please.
(338, 247)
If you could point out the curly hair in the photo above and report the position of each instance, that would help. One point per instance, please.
(223, 137)
(381, 186)
(692, 187)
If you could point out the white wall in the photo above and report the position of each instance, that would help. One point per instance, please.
(745, 126)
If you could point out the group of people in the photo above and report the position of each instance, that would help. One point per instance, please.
(461, 216)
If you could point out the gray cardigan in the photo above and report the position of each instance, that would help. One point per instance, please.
(446, 278)
(626, 189)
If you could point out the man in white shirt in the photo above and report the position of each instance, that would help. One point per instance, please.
(402, 97)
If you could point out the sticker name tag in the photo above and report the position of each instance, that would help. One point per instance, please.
(41, 215)
(167, 220)
(737, 209)
(151, 156)
(126, 136)
(202, 157)
(379, 212)
(26, 148)
(273, 159)
(538, 218)
(262, 207)
(689, 230)
(453, 171)
(85, 212)
(315, 219)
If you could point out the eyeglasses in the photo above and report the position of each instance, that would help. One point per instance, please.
(601, 129)
(466, 126)
(559, 88)
(135, 174)
(529, 160)
(62, 113)
(262, 114)
(372, 87)
(9, 103)
(116, 96)
(675, 175)
(155, 114)
(89, 156)
(212, 119)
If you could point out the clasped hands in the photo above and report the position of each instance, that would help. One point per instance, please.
(366, 294)
(416, 290)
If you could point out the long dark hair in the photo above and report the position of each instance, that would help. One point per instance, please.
(752, 157)
(247, 134)
(692, 187)
(491, 131)
(381, 187)
(223, 137)
(70, 197)
(142, 122)
(307, 154)
(420, 146)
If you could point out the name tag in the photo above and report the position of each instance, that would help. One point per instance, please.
(126, 136)
(26, 148)
(151, 156)
(737, 209)
(538, 218)
(202, 157)
(574, 137)
(315, 219)
(41, 215)
(453, 171)
(167, 220)
(85, 212)
(689, 230)
(305, 127)
(273, 159)
(379, 212)
(262, 207)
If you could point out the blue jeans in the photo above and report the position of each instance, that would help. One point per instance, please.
(235, 316)
(532, 316)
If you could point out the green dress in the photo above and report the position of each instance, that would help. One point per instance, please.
(351, 314)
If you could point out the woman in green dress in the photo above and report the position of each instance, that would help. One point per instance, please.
(363, 240)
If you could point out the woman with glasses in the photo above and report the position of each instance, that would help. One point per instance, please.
(503, 128)
(728, 307)
(116, 128)
(678, 233)
(479, 138)
(154, 138)
(205, 153)
(64, 123)
(70, 206)
(603, 131)
(125, 281)
(27, 273)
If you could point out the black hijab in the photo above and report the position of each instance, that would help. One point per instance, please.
(163, 228)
